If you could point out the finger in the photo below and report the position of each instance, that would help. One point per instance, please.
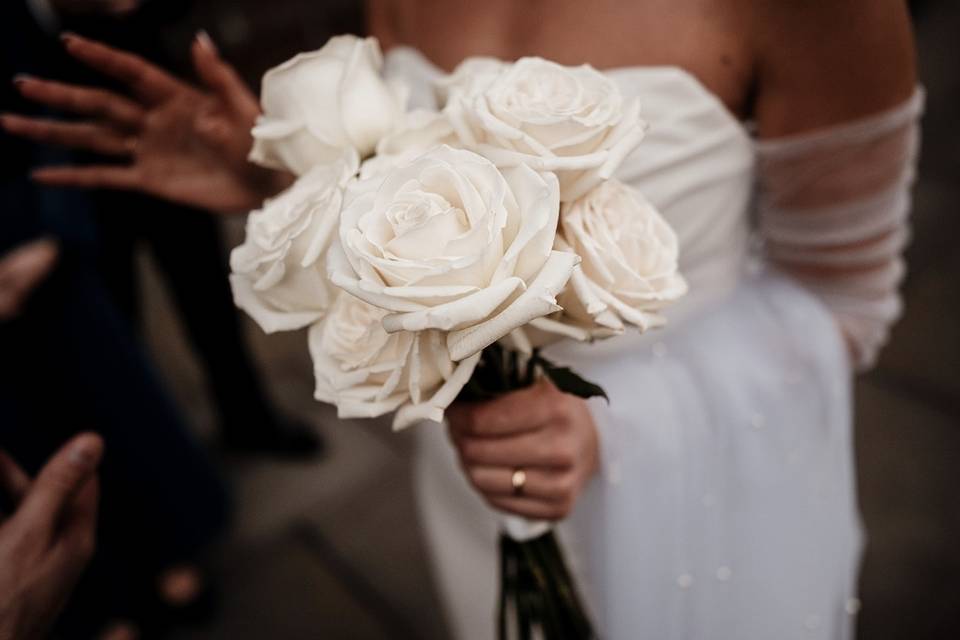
(533, 449)
(514, 413)
(81, 100)
(95, 177)
(78, 527)
(531, 508)
(543, 484)
(74, 135)
(146, 80)
(83, 507)
(57, 483)
(12, 478)
(29, 262)
(11, 300)
(221, 78)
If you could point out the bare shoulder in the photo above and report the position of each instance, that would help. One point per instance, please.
(821, 62)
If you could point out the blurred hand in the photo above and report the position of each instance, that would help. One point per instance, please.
(548, 434)
(111, 7)
(47, 542)
(184, 144)
(22, 270)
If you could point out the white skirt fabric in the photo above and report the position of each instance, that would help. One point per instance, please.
(725, 507)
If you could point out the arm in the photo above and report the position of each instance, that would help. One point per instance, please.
(822, 63)
(837, 113)
(181, 143)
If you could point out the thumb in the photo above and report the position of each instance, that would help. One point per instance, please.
(64, 474)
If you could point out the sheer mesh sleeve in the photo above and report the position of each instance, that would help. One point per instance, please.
(833, 212)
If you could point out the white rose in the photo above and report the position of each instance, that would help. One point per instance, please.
(278, 275)
(421, 131)
(471, 76)
(367, 372)
(449, 242)
(629, 264)
(569, 120)
(319, 104)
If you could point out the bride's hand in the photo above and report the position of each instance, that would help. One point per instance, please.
(184, 144)
(548, 434)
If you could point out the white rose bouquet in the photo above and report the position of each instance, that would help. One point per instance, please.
(432, 252)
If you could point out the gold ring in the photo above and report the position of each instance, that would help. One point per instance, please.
(519, 481)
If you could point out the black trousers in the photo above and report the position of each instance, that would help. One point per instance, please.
(187, 248)
(70, 363)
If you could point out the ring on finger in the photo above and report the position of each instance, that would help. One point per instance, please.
(518, 480)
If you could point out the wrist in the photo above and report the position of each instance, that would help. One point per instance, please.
(267, 183)
(259, 184)
(276, 181)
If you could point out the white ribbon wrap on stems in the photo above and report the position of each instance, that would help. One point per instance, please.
(523, 529)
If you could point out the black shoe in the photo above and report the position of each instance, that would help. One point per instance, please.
(288, 439)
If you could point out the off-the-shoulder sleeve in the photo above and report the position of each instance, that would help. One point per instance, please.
(833, 210)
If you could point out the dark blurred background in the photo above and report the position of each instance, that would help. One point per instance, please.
(331, 548)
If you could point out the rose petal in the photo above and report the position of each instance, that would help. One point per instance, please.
(433, 408)
(269, 319)
(459, 313)
(538, 197)
(538, 300)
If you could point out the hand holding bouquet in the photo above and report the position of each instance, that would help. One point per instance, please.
(432, 252)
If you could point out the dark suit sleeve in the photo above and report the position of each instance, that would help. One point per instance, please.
(26, 210)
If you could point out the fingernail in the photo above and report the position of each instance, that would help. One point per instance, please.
(85, 453)
(206, 41)
(20, 78)
(81, 456)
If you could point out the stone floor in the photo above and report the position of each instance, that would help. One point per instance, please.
(332, 549)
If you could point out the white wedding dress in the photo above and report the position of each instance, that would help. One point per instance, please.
(725, 506)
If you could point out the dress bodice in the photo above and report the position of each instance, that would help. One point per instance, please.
(695, 165)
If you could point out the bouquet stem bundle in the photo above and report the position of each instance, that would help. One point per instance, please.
(538, 596)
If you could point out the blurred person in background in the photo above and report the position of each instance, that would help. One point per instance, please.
(69, 360)
(707, 520)
(184, 242)
(48, 528)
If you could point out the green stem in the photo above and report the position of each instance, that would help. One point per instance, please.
(563, 585)
(552, 613)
